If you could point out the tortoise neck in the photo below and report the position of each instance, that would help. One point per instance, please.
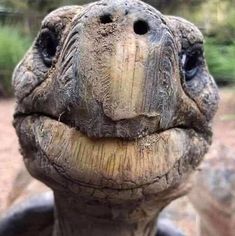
(74, 216)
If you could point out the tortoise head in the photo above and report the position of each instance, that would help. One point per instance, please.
(114, 102)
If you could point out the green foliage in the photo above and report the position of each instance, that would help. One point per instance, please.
(12, 47)
(222, 24)
(221, 61)
(226, 31)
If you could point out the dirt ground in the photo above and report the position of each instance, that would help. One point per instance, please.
(11, 160)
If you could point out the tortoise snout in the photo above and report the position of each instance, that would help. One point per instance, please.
(124, 66)
(126, 43)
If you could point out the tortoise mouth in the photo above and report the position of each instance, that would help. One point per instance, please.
(110, 163)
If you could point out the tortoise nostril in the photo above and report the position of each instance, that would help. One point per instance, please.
(141, 27)
(106, 18)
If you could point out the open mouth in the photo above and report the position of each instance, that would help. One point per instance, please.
(112, 163)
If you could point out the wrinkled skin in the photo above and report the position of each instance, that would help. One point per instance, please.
(114, 110)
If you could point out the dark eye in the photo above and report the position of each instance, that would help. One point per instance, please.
(191, 62)
(47, 45)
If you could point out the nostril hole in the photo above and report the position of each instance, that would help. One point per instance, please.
(105, 19)
(141, 27)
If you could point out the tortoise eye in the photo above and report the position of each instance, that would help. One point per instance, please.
(191, 62)
(47, 45)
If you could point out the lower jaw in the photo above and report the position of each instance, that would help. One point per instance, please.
(154, 161)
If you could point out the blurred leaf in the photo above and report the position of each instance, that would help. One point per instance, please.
(221, 61)
(12, 48)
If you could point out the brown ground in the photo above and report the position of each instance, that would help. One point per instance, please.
(224, 127)
(11, 161)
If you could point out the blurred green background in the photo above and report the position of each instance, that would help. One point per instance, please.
(20, 21)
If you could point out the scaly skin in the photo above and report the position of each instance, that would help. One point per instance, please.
(114, 110)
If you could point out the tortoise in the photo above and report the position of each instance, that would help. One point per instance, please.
(114, 104)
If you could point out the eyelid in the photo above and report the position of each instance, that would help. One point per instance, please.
(196, 48)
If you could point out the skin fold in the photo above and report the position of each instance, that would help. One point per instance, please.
(114, 110)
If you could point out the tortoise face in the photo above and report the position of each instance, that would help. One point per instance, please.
(114, 97)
